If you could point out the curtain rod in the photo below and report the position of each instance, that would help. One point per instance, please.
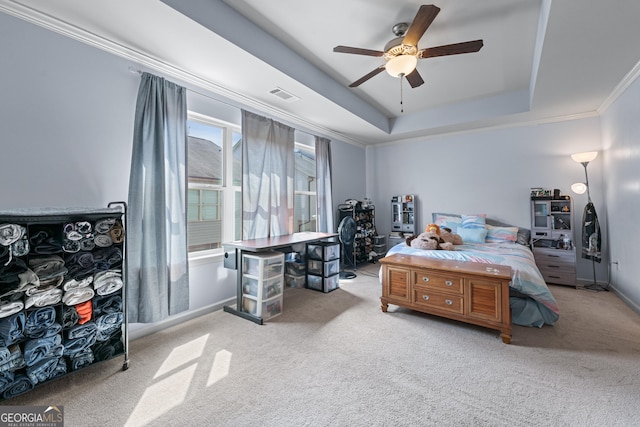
(139, 72)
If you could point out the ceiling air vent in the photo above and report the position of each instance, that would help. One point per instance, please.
(284, 95)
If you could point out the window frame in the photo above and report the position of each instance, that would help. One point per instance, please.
(227, 189)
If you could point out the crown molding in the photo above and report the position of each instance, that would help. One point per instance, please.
(231, 97)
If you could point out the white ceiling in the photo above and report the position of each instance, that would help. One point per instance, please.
(542, 60)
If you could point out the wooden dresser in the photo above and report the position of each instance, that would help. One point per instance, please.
(465, 291)
(557, 266)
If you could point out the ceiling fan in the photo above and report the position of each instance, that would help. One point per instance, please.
(401, 54)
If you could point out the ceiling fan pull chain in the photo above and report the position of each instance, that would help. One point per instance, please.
(401, 103)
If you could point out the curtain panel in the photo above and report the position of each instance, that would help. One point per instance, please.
(324, 218)
(157, 279)
(268, 171)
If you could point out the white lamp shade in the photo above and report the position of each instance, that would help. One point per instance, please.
(579, 187)
(401, 65)
(584, 157)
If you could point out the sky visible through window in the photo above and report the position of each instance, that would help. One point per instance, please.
(204, 131)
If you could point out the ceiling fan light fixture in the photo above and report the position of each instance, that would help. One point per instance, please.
(401, 65)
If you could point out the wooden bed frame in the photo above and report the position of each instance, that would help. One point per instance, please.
(466, 291)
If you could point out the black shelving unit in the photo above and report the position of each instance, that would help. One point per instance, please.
(62, 293)
(366, 231)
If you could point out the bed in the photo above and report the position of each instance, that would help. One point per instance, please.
(531, 301)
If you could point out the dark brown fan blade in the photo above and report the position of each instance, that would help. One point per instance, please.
(414, 78)
(367, 77)
(452, 49)
(357, 51)
(423, 19)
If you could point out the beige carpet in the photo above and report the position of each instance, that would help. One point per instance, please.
(336, 360)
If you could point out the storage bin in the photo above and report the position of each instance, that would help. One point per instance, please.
(323, 268)
(295, 281)
(323, 284)
(267, 310)
(324, 251)
(270, 288)
(272, 265)
(296, 268)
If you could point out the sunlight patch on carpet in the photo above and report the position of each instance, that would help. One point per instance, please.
(182, 354)
(220, 367)
(161, 397)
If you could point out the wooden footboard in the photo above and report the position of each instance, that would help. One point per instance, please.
(469, 292)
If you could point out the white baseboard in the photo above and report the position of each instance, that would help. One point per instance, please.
(139, 330)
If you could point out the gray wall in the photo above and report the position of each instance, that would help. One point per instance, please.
(66, 126)
(490, 171)
(621, 142)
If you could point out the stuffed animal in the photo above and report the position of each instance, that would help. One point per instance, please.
(429, 241)
(435, 238)
(448, 236)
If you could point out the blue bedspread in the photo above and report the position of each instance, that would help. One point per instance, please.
(536, 308)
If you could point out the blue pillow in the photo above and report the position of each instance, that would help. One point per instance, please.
(473, 221)
(472, 235)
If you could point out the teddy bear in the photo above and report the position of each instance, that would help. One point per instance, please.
(448, 236)
(430, 240)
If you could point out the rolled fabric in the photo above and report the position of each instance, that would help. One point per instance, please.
(83, 227)
(48, 266)
(104, 350)
(107, 304)
(111, 255)
(48, 247)
(74, 284)
(78, 295)
(73, 235)
(82, 258)
(87, 244)
(20, 247)
(77, 345)
(104, 225)
(85, 311)
(10, 307)
(81, 359)
(42, 370)
(117, 232)
(6, 378)
(61, 368)
(21, 384)
(41, 299)
(70, 317)
(39, 320)
(11, 233)
(12, 328)
(38, 349)
(107, 282)
(15, 361)
(52, 330)
(79, 331)
(71, 246)
(107, 325)
(102, 240)
(10, 274)
(5, 354)
(38, 237)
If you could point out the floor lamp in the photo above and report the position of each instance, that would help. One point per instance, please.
(591, 238)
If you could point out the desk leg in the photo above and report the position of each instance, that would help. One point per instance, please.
(238, 311)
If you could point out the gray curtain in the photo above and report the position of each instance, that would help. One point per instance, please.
(267, 177)
(157, 279)
(323, 185)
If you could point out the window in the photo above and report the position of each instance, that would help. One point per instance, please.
(214, 170)
(305, 207)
